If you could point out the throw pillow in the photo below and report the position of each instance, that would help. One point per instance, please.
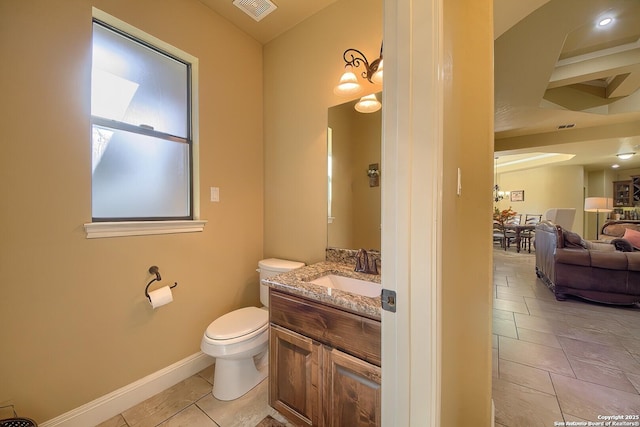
(633, 237)
(573, 240)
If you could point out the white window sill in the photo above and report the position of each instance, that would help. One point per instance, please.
(97, 230)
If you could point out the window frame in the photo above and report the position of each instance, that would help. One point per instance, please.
(115, 227)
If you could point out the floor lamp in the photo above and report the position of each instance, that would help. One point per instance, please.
(598, 205)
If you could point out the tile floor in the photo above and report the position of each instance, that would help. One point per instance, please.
(552, 361)
(191, 404)
(559, 361)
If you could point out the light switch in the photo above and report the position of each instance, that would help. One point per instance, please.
(215, 194)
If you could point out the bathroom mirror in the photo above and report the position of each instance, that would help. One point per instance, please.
(354, 153)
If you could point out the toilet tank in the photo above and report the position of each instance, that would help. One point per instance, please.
(269, 268)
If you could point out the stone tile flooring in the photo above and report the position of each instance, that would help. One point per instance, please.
(190, 403)
(552, 362)
(559, 361)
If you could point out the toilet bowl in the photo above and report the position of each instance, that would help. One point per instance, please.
(239, 340)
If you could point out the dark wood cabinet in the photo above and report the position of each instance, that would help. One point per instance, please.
(351, 391)
(626, 193)
(324, 363)
(294, 366)
(622, 193)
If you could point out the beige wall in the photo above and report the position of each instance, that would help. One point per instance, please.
(301, 68)
(466, 258)
(545, 188)
(75, 324)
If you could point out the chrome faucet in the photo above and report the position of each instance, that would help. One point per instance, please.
(363, 265)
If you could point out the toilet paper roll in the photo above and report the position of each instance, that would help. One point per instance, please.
(160, 297)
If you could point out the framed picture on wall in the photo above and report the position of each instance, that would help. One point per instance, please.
(517, 196)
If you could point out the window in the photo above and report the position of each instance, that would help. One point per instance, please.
(142, 115)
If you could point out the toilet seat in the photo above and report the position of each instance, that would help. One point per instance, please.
(239, 325)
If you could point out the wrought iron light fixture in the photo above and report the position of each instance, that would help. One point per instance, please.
(498, 195)
(372, 72)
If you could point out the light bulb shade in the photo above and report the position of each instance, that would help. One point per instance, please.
(598, 204)
(348, 84)
(625, 156)
(377, 76)
(368, 104)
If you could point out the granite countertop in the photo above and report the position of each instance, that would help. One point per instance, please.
(296, 282)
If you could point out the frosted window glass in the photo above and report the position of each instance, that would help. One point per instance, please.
(138, 176)
(138, 85)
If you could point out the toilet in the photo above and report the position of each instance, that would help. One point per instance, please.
(239, 340)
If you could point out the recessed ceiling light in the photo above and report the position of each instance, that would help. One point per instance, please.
(615, 166)
(605, 21)
(625, 156)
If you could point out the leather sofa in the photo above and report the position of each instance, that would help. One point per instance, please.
(615, 229)
(594, 271)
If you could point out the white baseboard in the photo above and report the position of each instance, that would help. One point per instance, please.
(493, 414)
(114, 403)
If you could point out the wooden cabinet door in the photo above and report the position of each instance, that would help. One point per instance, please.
(352, 395)
(294, 376)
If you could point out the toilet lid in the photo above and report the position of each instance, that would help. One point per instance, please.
(237, 323)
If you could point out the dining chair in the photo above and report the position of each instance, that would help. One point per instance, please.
(527, 236)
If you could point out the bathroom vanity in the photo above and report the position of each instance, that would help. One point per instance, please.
(324, 348)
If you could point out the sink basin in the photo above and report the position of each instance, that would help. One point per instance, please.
(348, 284)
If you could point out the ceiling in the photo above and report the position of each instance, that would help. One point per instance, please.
(288, 14)
(565, 85)
(554, 67)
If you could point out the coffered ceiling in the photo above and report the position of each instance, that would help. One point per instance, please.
(562, 83)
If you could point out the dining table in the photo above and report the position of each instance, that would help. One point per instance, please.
(518, 229)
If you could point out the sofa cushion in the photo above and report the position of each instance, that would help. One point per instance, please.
(573, 256)
(633, 260)
(600, 246)
(633, 237)
(609, 260)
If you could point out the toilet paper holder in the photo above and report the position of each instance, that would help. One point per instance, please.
(156, 271)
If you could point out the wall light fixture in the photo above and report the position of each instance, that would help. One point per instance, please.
(353, 58)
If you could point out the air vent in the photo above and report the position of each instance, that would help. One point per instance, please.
(569, 126)
(257, 9)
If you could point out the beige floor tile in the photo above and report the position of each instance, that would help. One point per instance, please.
(538, 337)
(535, 323)
(601, 375)
(207, 374)
(599, 354)
(523, 291)
(524, 407)
(190, 417)
(635, 380)
(502, 314)
(526, 376)
(117, 421)
(247, 410)
(534, 355)
(569, 417)
(517, 307)
(505, 328)
(164, 405)
(587, 400)
(509, 297)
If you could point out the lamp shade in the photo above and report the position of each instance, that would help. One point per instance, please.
(598, 204)
(368, 104)
(348, 84)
